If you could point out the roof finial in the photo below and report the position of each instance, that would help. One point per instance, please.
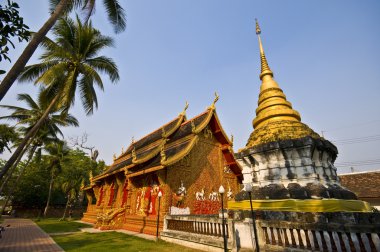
(185, 108)
(133, 140)
(163, 132)
(134, 156)
(162, 153)
(265, 70)
(215, 100)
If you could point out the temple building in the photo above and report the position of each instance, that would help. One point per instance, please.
(185, 161)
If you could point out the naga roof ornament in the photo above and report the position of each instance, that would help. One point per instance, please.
(215, 101)
(184, 109)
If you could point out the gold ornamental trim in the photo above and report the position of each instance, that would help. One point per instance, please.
(178, 156)
(145, 171)
(309, 205)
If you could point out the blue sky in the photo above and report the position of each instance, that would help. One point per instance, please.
(324, 54)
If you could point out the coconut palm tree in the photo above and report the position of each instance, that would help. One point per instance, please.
(59, 8)
(29, 116)
(8, 135)
(69, 63)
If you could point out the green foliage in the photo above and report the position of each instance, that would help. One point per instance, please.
(113, 241)
(8, 135)
(11, 25)
(32, 189)
(57, 226)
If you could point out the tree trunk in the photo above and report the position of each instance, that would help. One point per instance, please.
(18, 178)
(36, 39)
(49, 195)
(13, 168)
(67, 205)
(31, 133)
(9, 174)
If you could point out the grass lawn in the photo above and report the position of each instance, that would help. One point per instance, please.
(114, 241)
(105, 241)
(56, 226)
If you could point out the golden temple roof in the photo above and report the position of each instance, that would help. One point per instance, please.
(275, 118)
(169, 144)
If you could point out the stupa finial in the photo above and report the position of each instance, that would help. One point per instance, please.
(265, 70)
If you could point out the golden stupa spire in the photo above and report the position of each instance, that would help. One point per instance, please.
(275, 118)
(265, 69)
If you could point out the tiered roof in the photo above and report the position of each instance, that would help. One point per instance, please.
(169, 144)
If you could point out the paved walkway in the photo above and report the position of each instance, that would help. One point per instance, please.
(24, 235)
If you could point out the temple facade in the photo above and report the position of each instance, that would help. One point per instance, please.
(185, 161)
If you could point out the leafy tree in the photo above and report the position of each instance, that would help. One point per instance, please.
(75, 171)
(31, 190)
(11, 25)
(60, 8)
(69, 63)
(75, 168)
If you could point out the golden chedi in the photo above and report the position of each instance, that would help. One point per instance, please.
(283, 157)
(275, 118)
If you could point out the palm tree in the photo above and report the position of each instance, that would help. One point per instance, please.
(68, 187)
(8, 135)
(116, 16)
(67, 64)
(28, 117)
(57, 153)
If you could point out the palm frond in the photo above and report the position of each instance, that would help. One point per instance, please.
(105, 65)
(88, 9)
(88, 70)
(32, 72)
(28, 100)
(88, 94)
(116, 15)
